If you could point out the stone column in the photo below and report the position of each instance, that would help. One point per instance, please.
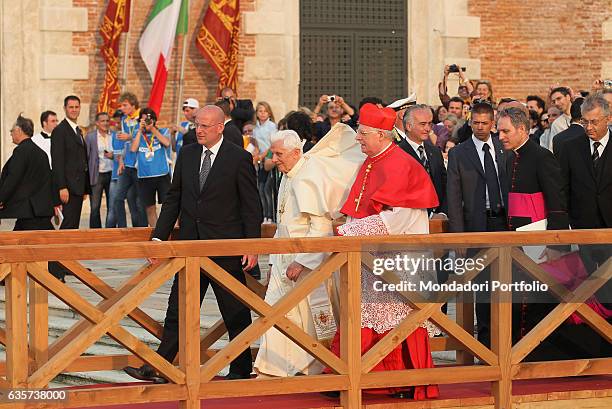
(37, 60)
(438, 33)
(276, 66)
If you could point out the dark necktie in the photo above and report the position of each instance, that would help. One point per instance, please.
(491, 179)
(423, 158)
(205, 169)
(595, 155)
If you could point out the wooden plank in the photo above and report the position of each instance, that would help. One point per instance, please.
(74, 236)
(446, 344)
(464, 310)
(69, 336)
(269, 317)
(169, 249)
(594, 320)
(561, 312)
(117, 395)
(273, 386)
(39, 324)
(350, 329)
(501, 329)
(17, 327)
(91, 280)
(212, 335)
(189, 331)
(108, 322)
(559, 369)
(126, 234)
(428, 376)
(5, 269)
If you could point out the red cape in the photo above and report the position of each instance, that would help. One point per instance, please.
(395, 179)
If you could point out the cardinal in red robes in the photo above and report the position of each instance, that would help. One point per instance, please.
(390, 195)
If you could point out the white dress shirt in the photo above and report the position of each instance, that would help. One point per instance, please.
(73, 125)
(479, 144)
(104, 144)
(214, 149)
(415, 146)
(603, 141)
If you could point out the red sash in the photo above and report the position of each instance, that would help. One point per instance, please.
(527, 205)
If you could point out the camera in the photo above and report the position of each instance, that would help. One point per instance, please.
(607, 83)
(455, 68)
(332, 98)
(148, 120)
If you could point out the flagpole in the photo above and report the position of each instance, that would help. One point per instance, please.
(181, 81)
(127, 52)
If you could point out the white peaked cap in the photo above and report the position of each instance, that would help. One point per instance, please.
(403, 103)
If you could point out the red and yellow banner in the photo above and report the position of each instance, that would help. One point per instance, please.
(217, 40)
(116, 21)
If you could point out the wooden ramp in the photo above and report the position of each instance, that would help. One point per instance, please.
(587, 392)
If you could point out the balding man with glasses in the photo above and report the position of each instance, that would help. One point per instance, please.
(214, 196)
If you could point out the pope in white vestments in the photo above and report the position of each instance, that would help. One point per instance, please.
(313, 188)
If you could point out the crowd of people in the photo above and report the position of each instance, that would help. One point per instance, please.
(485, 164)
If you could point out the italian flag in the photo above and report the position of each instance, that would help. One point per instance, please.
(168, 18)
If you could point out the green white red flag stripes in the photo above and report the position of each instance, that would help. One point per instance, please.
(167, 19)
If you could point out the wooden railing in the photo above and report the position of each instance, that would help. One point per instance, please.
(32, 363)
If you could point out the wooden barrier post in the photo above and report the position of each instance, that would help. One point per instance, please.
(350, 328)
(39, 323)
(501, 329)
(17, 327)
(464, 309)
(189, 330)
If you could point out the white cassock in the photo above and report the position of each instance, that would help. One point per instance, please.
(309, 198)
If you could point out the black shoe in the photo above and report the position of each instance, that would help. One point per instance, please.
(409, 394)
(144, 373)
(233, 376)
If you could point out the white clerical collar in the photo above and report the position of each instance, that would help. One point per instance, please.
(226, 121)
(384, 149)
(521, 145)
(603, 141)
(296, 168)
(73, 125)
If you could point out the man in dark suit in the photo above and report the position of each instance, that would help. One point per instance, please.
(230, 131)
(26, 188)
(586, 167)
(214, 195)
(418, 123)
(241, 110)
(575, 129)
(69, 164)
(477, 188)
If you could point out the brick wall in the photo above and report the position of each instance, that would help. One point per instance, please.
(200, 80)
(526, 46)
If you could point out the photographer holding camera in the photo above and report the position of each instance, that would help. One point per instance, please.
(153, 159)
(241, 110)
(466, 88)
(337, 111)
